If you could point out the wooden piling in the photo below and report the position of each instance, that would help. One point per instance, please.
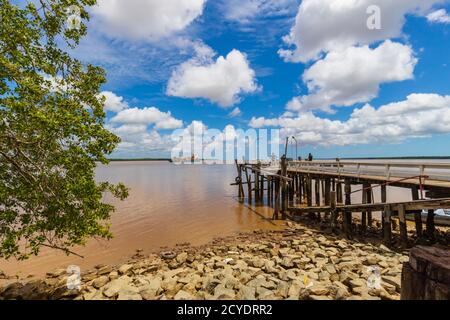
(261, 189)
(309, 191)
(418, 214)
(249, 185)
(256, 186)
(369, 200)
(239, 178)
(383, 200)
(317, 196)
(284, 200)
(333, 219)
(387, 236)
(364, 213)
(300, 191)
(277, 199)
(339, 192)
(430, 225)
(348, 214)
(403, 227)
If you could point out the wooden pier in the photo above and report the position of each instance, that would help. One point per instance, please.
(324, 189)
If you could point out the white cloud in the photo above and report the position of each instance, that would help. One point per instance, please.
(113, 102)
(221, 81)
(244, 11)
(147, 116)
(420, 115)
(235, 113)
(137, 139)
(354, 75)
(439, 16)
(145, 19)
(325, 25)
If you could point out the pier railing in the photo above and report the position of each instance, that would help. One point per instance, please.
(387, 169)
(323, 189)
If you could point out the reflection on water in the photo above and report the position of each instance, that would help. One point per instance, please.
(168, 204)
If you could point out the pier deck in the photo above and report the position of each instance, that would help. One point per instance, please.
(325, 187)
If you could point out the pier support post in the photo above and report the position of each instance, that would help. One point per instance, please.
(300, 191)
(383, 200)
(348, 214)
(403, 227)
(369, 200)
(291, 189)
(417, 214)
(283, 188)
(430, 225)
(249, 185)
(387, 236)
(309, 191)
(339, 192)
(327, 195)
(333, 219)
(261, 189)
(317, 195)
(277, 199)
(240, 186)
(256, 186)
(364, 213)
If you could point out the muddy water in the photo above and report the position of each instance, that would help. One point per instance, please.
(168, 204)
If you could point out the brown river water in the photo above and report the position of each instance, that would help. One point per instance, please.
(168, 204)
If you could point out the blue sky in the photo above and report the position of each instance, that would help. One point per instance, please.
(342, 89)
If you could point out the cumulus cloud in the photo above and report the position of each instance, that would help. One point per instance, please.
(325, 25)
(147, 116)
(439, 16)
(145, 19)
(221, 81)
(420, 115)
(137, 139)
(354, 75)
(113, 102)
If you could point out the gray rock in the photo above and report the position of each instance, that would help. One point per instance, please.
(258, 262)
(319, 290)
(358, 283)
(316, 297)
(104, 270)
(125, 268)
(100, 282)
(112, 289)
(223, 293)
(129, 292)
(182, 257)
(247, 293)
(264, 294)
(395, 281)
(152, 289)
(183, 295)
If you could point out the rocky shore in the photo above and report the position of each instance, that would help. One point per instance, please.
(295, 263)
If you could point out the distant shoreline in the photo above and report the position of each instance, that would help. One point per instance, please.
(392, 158)
(141, 159)
(350, 158)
